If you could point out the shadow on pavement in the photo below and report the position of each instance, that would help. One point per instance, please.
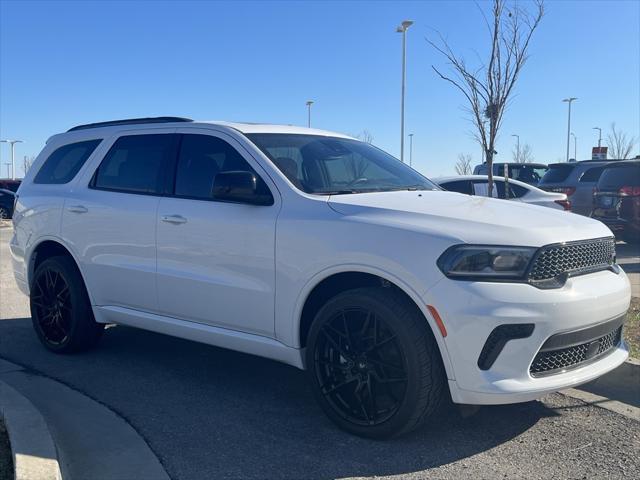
(209, 412)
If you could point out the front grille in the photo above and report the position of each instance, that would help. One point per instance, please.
(552, 361)
(554, 261)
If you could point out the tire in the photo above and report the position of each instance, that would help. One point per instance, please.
(4, 214)
(60, 308)
(404, 373)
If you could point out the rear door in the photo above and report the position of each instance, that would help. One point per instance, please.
(110, 219)
(582, 199)
(216, 260)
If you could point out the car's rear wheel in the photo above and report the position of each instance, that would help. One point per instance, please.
(60, 308)
(4, 213)
(374, 365)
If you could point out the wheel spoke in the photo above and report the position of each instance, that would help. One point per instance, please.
(334, 343)
(340, 385)
(377, 345)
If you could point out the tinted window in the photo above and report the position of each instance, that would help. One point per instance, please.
(201, 158)
(591, 175)
(65, 162)
(557, 173)
(460, 186)
(136, 164)
(326, 165)
(615, 177)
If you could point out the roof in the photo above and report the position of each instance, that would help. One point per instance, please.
(243, 127)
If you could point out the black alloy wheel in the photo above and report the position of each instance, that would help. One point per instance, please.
(60, 308)
(375, 367)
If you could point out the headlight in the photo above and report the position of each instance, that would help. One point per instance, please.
(486, 262)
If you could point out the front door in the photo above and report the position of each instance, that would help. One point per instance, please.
(216, 262)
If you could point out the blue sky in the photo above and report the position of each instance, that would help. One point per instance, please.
(65, 63)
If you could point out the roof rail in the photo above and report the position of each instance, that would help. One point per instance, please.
(130, 121)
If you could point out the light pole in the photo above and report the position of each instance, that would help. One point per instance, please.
(309, 103)
(599, 135)
(404, 26)
(575, 146)
(569, 100)
(517, 147)
(411, 149)
(13, 162)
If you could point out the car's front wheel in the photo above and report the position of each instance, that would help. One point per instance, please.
(60, 308)
(374, 365)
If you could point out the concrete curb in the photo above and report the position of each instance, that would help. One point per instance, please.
(34, 452)
(617, 391)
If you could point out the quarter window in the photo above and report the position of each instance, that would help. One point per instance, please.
(65, 162)
(136, 164)
(201, 158)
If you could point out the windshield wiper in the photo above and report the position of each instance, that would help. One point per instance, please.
(337, 192)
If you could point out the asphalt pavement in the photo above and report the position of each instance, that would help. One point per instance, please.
(211, 413)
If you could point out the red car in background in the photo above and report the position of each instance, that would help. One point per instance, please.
(616, 200)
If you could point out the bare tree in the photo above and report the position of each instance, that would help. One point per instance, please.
(463, 165)
(620, 145)
(522, 154)
(365, 136)
(489, 86)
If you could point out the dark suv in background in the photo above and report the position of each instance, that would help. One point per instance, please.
(616, 201)
(530, 173)
(577, 180)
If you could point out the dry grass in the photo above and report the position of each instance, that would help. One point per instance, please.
(6, 462)
(632, 328)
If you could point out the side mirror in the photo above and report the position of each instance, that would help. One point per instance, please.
(241, 187)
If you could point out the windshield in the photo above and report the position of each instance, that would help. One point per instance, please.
(558, 173)
(331, 165)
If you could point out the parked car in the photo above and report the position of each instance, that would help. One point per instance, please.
(530, 173)
(9, 184)
(518, 191)
(616, 201)
(320, 251)
(7, 198)
(577, 180)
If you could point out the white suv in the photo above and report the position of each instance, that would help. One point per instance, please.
(320, 251)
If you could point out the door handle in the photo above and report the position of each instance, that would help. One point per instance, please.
(78, 209)
(174, 219)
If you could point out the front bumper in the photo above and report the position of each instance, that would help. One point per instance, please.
(472, 310)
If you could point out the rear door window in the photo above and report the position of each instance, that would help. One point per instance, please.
(65, 162)
(482, 189)
(136, 164)
(460, 186)
(557, 173)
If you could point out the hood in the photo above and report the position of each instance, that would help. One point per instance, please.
(469, 219)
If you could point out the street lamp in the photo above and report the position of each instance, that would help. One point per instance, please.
(569, 100)
(575, 146)
(599, 135)
(404, 26)
(309, 103)
(411, 149)
(13, 162)
(517, 147)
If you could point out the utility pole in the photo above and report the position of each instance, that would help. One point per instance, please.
(569, 100)
(517, 147)
(411, 149)
(8, 164)
(309, 103)
(575, 146)
(404, 26)
(599, 135)
(13, 161)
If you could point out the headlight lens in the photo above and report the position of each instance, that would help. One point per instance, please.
(486, 262)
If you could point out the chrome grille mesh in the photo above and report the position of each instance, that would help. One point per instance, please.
(578, 257)
(550, 361)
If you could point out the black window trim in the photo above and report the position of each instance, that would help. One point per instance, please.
(100, 141)
(170, 169)
(173, 170)
(164, 173)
